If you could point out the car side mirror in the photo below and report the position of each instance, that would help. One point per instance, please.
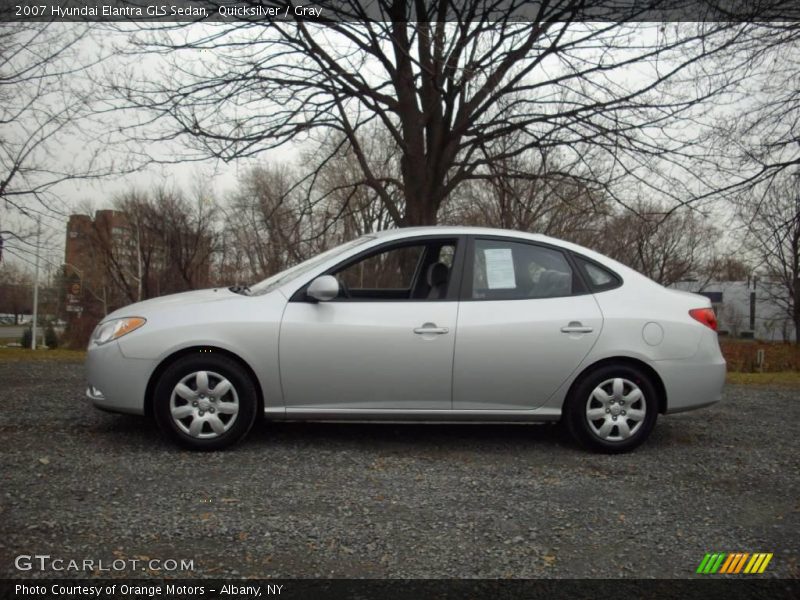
(323, 288)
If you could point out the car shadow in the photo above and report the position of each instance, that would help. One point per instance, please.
(402, 435)
(141, 432)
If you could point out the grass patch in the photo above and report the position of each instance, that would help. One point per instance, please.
(742, 355)
(780, 378)
(27, 355)
(784, 378)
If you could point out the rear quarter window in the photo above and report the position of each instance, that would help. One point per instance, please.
(598, 277)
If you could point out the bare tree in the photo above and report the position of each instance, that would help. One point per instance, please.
(277, 217)
(773, 226)
(342, 204)
(724, 267)
(263, 230)
(446, 81)
(15, 291)
(19, 237)
(756, 141)
(667, 246)
(43, 98)
(185, 235)
(549, 203)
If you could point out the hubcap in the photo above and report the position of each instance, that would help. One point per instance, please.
(616, 409)
(204, 404)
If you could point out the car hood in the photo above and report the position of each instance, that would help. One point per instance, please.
(148, 307)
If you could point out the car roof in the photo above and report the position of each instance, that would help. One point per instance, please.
(458, 230)
(411, 232)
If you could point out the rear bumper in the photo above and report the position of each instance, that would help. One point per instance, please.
(694, 382)
(116, 383)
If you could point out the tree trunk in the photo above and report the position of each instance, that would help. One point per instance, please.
(796, 311)
(420, 210)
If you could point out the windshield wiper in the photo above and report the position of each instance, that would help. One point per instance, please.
(240, 289)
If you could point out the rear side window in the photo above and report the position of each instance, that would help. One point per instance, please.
(504, 270)
(599, 278)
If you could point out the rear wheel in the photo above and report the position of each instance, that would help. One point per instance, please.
(612, 409)
(205, 402)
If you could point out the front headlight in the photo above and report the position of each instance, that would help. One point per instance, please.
(115, 329)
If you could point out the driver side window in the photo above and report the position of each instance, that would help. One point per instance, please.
(390, 270)
(410, 272)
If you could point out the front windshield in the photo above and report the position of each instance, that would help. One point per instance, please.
(270, 283)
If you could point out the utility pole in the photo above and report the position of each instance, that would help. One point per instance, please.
(36, 283)
(139, 256)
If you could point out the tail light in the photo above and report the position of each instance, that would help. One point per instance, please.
(706, 316)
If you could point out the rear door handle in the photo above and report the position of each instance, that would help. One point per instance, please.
(430, 328)
(576, 327)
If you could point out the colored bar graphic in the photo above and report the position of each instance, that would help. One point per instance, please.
(710, 563)
(718, 562)
(753, 564)
(726, 563)
(740, 564)
(764, 564)
(733, 558)
(703, 564)
(737, 557)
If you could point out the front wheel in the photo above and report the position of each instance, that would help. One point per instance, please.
(612, 409)
(205, 402)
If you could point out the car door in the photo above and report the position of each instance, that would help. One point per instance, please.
(524, 325)
(386, 342)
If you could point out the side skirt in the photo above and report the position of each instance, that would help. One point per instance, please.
(542, 415)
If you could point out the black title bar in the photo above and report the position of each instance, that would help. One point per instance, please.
(711, 588)
(386, 10)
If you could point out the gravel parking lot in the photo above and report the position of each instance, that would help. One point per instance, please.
(340, 500)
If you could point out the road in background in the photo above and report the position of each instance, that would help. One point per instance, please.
(11, 332)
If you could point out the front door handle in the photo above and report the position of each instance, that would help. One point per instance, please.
(576, 327)
(430, 328)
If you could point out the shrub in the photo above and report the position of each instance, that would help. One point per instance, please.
(27, 337)
(50, 337)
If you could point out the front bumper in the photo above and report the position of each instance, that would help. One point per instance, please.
(116, 383)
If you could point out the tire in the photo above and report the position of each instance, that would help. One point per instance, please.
(205, 402)
(625, 402)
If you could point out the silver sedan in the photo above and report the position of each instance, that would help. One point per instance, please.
(422, 324)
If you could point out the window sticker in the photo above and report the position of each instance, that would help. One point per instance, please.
(499, 269)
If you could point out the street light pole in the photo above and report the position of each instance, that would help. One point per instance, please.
(36, 283)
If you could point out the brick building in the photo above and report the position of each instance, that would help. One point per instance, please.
(109, 263)
(89, 291)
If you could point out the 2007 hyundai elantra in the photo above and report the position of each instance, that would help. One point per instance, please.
(423, 324)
